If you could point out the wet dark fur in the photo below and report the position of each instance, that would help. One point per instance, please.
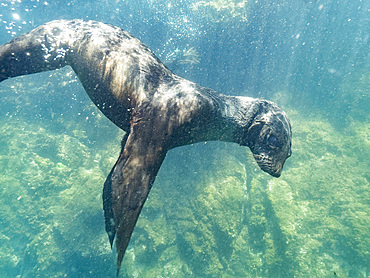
(157, 109)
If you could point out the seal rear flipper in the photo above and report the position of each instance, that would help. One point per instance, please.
(39, 50)
(131, 181)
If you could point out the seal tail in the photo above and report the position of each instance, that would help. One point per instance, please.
(37, 51)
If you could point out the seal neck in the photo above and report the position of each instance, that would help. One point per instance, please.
(231, 118)
(236, 114)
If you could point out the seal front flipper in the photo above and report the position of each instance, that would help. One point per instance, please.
(107, 200)
(131, 181)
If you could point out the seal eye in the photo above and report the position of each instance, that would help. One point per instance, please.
(273, 141)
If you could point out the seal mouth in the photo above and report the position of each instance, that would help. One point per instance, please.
(268, 165)
(276, 174)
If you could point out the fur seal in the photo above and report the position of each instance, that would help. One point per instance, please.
(158, 109)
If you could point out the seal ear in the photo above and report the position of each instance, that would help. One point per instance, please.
(249, 122)
(261, 118)
(253, 133)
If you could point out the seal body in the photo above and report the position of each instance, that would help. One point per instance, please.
(158, 109)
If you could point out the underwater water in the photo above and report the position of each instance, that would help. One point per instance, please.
(211, 212)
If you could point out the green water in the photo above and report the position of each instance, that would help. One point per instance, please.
(212, 212)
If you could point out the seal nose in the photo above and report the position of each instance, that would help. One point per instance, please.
(277, 171)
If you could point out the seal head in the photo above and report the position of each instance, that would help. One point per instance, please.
(269, 138)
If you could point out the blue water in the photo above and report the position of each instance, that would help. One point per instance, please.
(212, 212)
